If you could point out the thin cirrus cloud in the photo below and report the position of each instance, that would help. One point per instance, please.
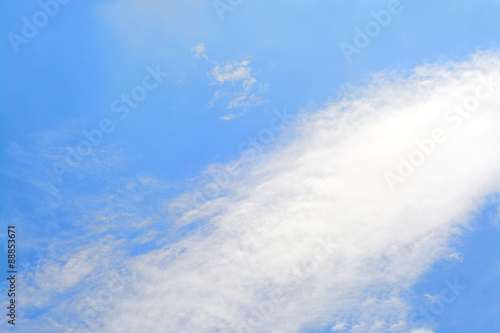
(232, 73)
(313, 234)
(132, 19)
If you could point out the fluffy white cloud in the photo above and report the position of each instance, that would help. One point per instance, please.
(230, 73)
(314, 233)
(134, 20)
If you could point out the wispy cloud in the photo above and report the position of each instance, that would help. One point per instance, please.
(200, 51)
(133, 20)
(310, 235)
(229, 74)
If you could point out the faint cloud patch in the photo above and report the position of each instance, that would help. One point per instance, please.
(495, 220)
(339, 326)
(200, 51)
(239, 88)
(456, 256)
(31, 163)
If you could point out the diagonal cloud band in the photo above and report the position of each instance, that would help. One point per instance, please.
(311, 233)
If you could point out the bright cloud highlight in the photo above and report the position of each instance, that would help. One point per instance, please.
(312, 234)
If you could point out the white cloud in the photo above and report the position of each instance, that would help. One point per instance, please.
(200, 51)
(228, 74)
(339, 326)
(312, 234)
(64, 274)
(134, 20)
(328, 185)
(432, 298)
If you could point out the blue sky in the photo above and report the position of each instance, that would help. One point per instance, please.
(252, 138)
